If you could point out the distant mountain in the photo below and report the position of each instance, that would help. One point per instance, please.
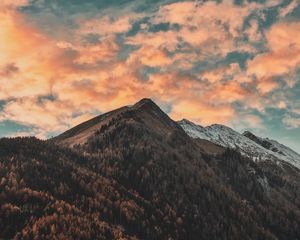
(277, 149)
(134, 173)
(258, 149)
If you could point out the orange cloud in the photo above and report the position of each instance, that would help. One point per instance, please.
(163, 40)
(171, 86)
(288, 9)
(31, 54)
(202, 113)
(202, 24)
(91, 77)
(48, 116)
(102, 89)
(226, 93)
(281, 104)
(150, 57)
(8, 70)
(253, 31)
(87, 77)
(43, 64)
(13, 3)
(231, 72)
(194, 13)
(106, 26)
(104, 51)
(253, 121)
(283, 56)
(194, 99)
(266, 86)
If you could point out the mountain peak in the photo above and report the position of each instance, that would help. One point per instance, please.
(151, 113)
(145, 111)
(184, 120)
(147, 106)
(145, 102)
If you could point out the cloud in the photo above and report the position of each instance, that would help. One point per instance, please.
(288, 9)
(150, 57)
(8, 70)
(80, 76)
(195, 14)
(100, 63)
(281, 104)
(103, 51)
(210, 25)
(163, 40)
(202, 113)
(267, 85)
(13, 3)
(253, 121)
(193, 99)
(253, 31)
(101, 89)
(231, 71)
(33, 55)
(48, 115)
(248, 121)
(226, 93)
(43, 116)
(291, 121)
(283, 56)
(273, 3)
(209, 28)
(106, 25)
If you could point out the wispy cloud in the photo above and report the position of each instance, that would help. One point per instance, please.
(291, 121)
(289, 8)
(13, 3)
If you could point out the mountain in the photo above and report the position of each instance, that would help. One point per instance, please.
(258, 149)
(83, 131)
(134, 173)
(279, 150)
(153, 117)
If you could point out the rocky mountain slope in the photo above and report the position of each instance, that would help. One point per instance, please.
(258, 149)
(134, 173)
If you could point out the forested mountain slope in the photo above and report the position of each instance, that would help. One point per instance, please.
(135, 174)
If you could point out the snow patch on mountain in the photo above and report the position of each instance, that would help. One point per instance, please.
(259, 149)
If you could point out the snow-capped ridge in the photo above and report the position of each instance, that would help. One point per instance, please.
(257, 148)
(279, 150)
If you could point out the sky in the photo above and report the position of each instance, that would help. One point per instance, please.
(229, 62)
